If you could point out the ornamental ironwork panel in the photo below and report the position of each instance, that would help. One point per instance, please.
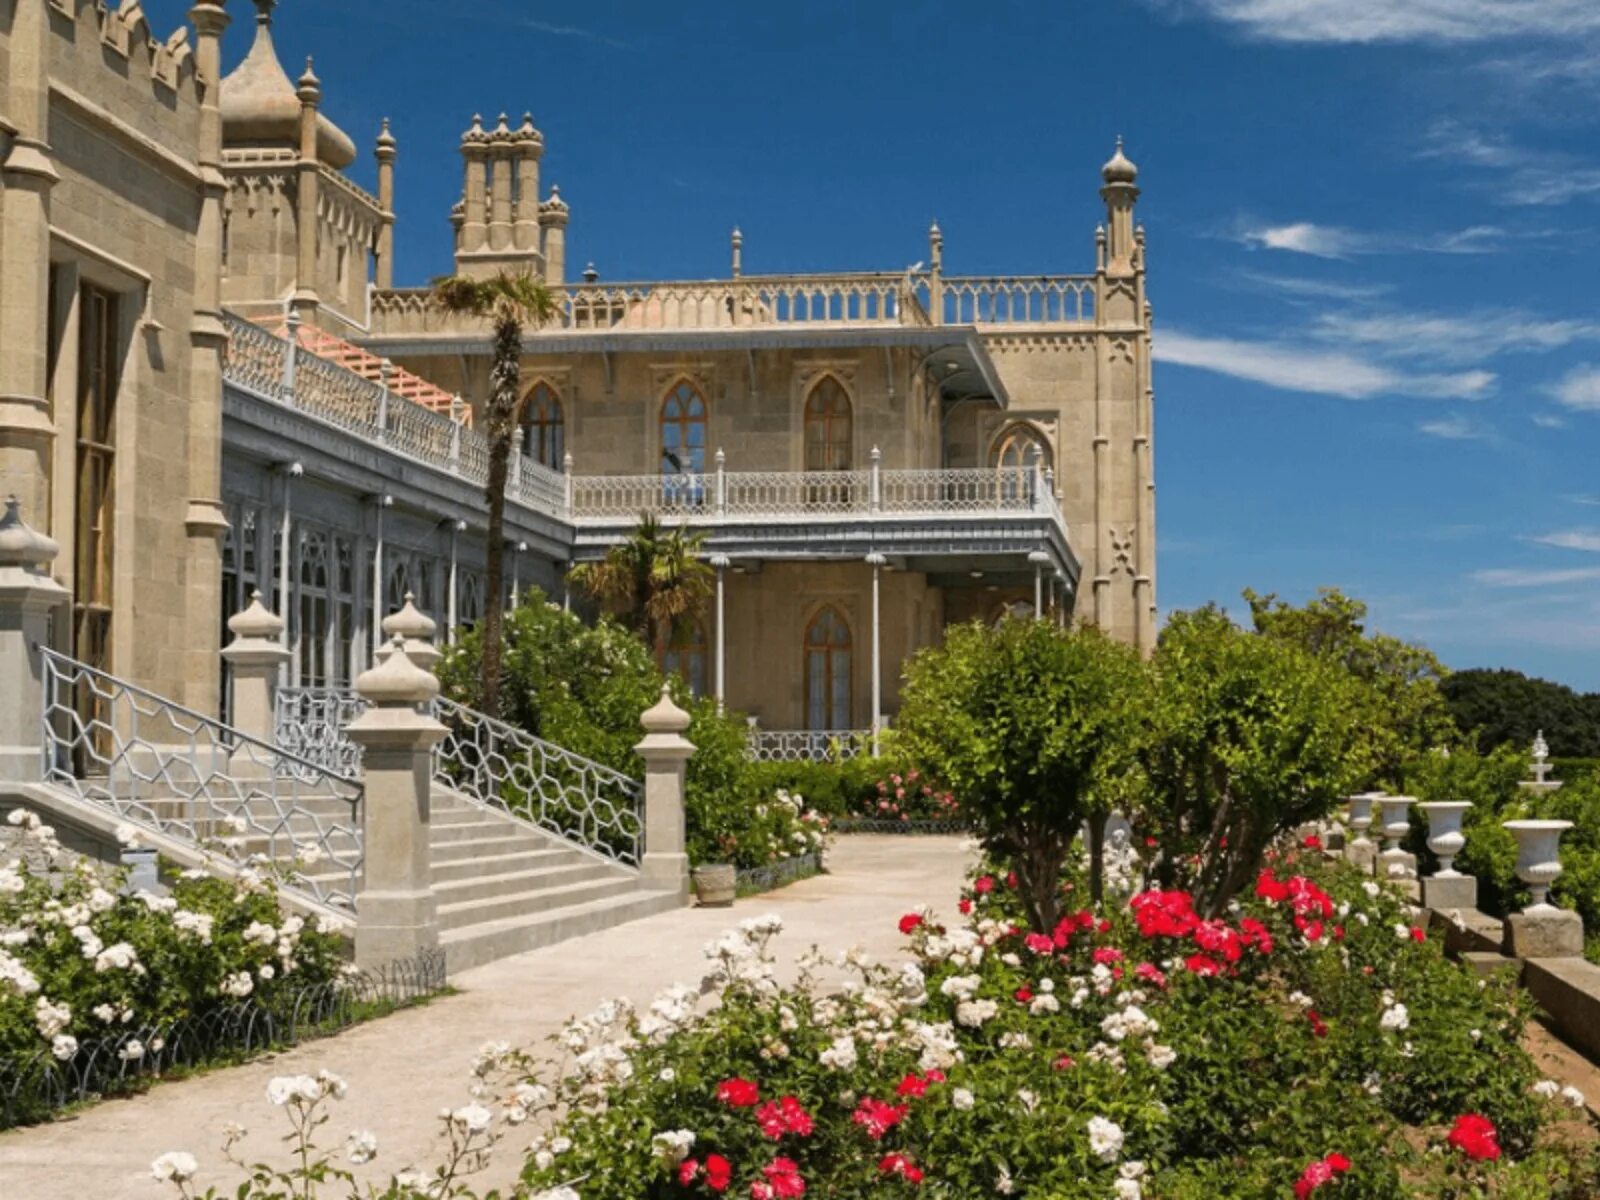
(490, 763)
(807, 745)
(167, 769)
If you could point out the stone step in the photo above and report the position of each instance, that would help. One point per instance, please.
(442, 833)
(501, 863)
(466, 848)
(454, 915)
(471, 945)
(489, 886)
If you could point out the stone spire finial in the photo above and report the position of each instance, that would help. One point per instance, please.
(664, 716)
(264, 12)
(310, 89)
(255, 620)
(397, 682)
(20, 544)
(386, 142)
(1119, 168)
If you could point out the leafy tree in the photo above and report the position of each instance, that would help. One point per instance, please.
(1510, 707)
(510, 303)
(1030, 726)
(1249, 737)
(653, 580)
(1406, 714)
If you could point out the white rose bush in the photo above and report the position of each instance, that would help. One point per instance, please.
(85, 962)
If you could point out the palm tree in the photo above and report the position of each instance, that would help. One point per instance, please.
(654, 579)
(509, 303)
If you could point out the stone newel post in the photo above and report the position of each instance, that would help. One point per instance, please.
(255, 654)
(27, 597)
(664, 865)
(395, 913)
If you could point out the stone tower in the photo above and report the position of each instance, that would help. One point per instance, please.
(296, 231)
(500, 223)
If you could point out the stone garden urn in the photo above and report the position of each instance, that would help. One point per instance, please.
(1444, 833)
(1538, 858)
(1394, 819)
(1361, 813)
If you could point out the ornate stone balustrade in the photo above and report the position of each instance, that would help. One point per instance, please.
(832, 300)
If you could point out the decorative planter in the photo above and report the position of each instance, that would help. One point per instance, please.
(715, 885)
(1444, 833)
(1361, 813)
(1538, 858)
(1394, 817)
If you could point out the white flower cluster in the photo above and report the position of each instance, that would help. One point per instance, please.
(1105, 1138)
(51, 1018)
(673, 1146)
(305, 1089)
(1551, 1090)
(120, 957)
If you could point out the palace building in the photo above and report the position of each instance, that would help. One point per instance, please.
(210, 384)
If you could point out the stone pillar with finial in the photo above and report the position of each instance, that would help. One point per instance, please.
(1540, 785)
(503, 145)
(665, 751)
(309, 173)
(255, 656)
(737, 242)
(530, 147)
(396, 913)
(385, 153)
(553, 216)
(28, 598)
(936, 274)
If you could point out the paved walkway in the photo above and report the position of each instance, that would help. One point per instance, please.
(404, 1068)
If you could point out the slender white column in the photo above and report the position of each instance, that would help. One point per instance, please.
(456, 529)
(291, 471)
(720, 562)
(383, 502)
(1039, 559)
(516, 574)
(876, 561)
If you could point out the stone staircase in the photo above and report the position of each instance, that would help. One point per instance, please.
(503, 886)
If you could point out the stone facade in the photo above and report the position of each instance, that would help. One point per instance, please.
(109, 231)
(134, 177)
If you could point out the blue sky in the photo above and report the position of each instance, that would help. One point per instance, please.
(1372, 236)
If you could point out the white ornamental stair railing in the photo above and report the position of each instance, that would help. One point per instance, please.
(808, 745)
(488, 763)
(169, 770)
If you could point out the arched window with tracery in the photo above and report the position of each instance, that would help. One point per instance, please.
(828, 652)
(828, 426)
(544, 434)
(1016, 444)
(683, 653)
(683, 430)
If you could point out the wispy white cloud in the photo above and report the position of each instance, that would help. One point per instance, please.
(556, 29)
(1579, 388)
(1336, 241)
(1521, 175)
(1313, 369)
(1428, 21)
(1584, 499)
(1549, 420)
(1460, 338)
(1571, 539)
(1511, 577)
(1458, 429)
(1315, 289)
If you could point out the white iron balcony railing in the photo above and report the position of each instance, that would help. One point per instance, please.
(286, 373)
(745, 495)
(489, 763)
(835, 300)
(169, 770)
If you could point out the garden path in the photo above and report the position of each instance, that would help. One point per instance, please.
(404, 1068)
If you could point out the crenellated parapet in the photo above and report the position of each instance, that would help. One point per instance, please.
(93, 27)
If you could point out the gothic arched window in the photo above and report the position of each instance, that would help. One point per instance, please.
(1013, 448)
(544, 439)
(683, 652)
(827, 651)
(828, 419)
(683, 431)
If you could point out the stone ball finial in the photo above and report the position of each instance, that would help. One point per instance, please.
(664, 716)
(20, 544)
(397, 681)
(409, 622)
(1119, 168)
(255, 621)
